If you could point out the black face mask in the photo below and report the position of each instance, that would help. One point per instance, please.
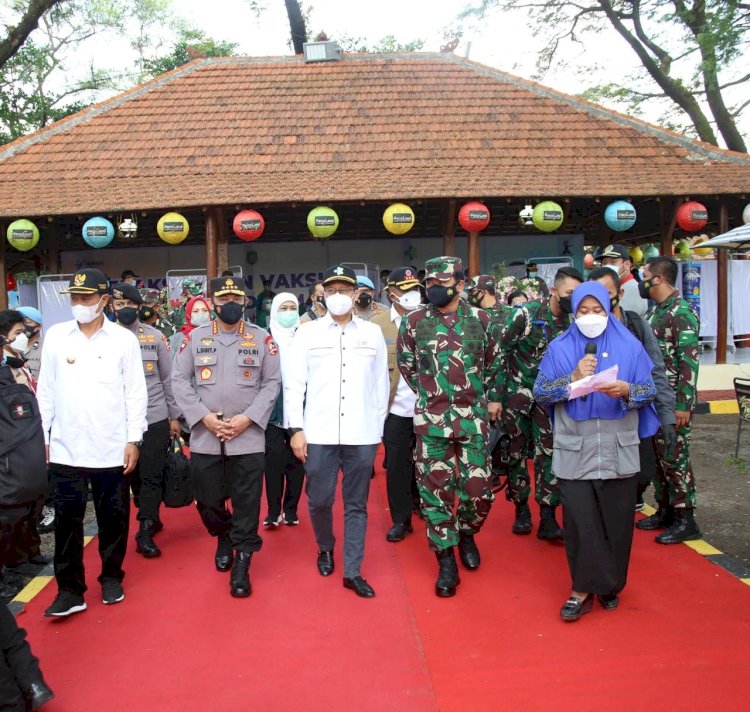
(613, 302)
(643, 288)
(440, 296)
(30, 332)
(230, 313)
(475, 298)
(126, 315)
(565, 304)
(320, 299)
(363, 301)
(145, 313)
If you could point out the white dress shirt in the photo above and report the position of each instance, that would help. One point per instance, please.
(405, 399)
(336, 386)
(92, 394)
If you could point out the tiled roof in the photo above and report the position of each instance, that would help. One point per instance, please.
(367, 127)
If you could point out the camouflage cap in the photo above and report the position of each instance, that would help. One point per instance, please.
(483, 281)
(442, 268)
(192, 286)
(150, 296)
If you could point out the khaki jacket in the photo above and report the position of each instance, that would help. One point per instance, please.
(390, 334)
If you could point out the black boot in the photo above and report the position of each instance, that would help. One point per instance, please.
(448, 579)
(144, 540)
(549, 529)
(468, 552)
(224, 554)
(683, 528)
(661, 519)
(522, 522)
(239, 580)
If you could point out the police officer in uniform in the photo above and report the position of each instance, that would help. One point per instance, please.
(162, 415)
(226, 378)
(449, 355)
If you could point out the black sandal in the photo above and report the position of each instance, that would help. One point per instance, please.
(574, 607)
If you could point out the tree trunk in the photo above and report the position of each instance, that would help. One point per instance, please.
(29, 21)
(296, 25)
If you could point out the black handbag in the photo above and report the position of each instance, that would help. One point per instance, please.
(178, 488)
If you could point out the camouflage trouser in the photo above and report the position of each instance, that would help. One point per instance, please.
(446, 467)
(674, 482)
(526, 421)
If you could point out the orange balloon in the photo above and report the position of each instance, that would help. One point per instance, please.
(588, 260)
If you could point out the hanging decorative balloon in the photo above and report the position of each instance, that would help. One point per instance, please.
(588, 261)
(474, 216)
(650, 251)
(10, 283)
(322, 222)
(636, 254)
(620, 215)
(683, 251)
(98, 232)
(703, 251)
(398, 218)
(248, 225)
(172, 228)
(746, 215)
(692, 216)
(23, 235)
(547, 216)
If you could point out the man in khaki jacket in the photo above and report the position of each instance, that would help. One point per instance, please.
(404, 294)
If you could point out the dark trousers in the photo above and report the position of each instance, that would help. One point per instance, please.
(284, 474)
(647, 456)
(598, 522)
(236, 477)
(398, 438)
(109, 489)
(323, 464)
(23, 540)
(147, 480)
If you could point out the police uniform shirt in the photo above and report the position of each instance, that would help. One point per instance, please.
(338, 384)
(92, 394)
(34, 358)
(235, 372)
(157, 368)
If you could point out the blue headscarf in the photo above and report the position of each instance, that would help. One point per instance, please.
(621, 348)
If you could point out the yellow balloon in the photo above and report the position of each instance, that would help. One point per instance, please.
(398, 219)
(172, 228)
(636, 254)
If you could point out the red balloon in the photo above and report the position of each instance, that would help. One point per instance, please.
(692, 216)
(10, 283)
(474, 216)
(248, 225)
(588, 260)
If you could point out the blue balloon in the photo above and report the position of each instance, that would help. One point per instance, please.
(620, 215)
(98, 232)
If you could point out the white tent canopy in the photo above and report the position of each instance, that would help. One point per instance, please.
(734, 239)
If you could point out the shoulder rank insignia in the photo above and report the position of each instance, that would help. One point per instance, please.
(271, 346)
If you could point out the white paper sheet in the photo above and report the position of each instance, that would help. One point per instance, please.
(587, 385)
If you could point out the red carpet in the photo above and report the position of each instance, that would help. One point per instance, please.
(180, 642)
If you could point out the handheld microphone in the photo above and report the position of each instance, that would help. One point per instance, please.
(590, 349)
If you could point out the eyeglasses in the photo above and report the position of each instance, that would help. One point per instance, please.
(346, 291)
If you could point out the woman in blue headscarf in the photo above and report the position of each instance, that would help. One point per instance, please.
(595, 456)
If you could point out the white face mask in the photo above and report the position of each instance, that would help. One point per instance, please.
(410, 300)
(84, 314)
(339, 304)
(200, 318)
(591, 325)
(20, 344)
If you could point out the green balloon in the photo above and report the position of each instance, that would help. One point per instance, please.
(322, 222)
(547, 216)
(23, 235)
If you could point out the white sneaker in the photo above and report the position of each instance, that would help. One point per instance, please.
(269, 522)
(47, 522)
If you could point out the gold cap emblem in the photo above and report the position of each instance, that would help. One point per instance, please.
(79, 279)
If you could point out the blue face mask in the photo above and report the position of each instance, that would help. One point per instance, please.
(287, 319)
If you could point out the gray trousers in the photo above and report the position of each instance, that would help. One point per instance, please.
(322, 467)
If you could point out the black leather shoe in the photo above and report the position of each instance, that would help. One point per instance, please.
(661, 519)
(325, 563)
(158, 525)
(399, 531)
(144, 540)
(224, 555)
(549, 529)
(359, 586)
(38, 694)
(448, 578)
(610, 602)
(522, 522)
(239, 580)
(574, 607)
(468, 552)
(683, 528)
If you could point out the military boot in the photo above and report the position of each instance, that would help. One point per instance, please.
(661, 519)
(683, 528)
(522, 522)
(144, 540)
(239, 579)
(448, 579)
(468, 551)
(549, 529)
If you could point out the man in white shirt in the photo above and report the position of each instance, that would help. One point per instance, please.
(403, 289)
(92, 397)
(336, 399)
(618, 256)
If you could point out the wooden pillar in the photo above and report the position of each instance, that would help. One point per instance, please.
(212, 244)
(3, 268)
(668, 222)
(51, 252)
(449, 230)
(722, 287)
(473, 254)
(223, 244)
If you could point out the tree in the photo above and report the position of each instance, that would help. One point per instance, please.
(17, 34)
(384, 44)
(689, 50)
(190, 45)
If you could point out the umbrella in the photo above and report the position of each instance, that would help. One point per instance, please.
(734, 239)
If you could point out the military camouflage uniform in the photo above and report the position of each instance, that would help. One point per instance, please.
(524, 338)
(676, 327)
(451, 363)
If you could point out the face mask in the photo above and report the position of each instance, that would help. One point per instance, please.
(20, 344)
(591, 325)
(339, 304)
(475, 298)
(200, 318)
(364, 300)
(320, 299)
(230, 313)
(126, 315)
(518, 305)
(565, 304)
(531, 275)
(84, 314)
(643, 288)
(613, 302)
(30, 331)
(410, 300)
(145, 313)
(440, 296)
(287, 319)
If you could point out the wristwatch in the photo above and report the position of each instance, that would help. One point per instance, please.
(137, 443)
(293, 431)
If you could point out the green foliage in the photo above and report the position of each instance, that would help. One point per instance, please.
(191, 44)
(384, 44)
